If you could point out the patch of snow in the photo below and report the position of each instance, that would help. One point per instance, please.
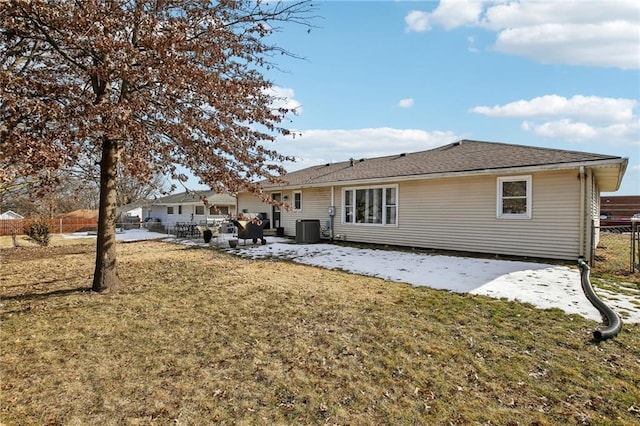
(125, 235)
(542, 285)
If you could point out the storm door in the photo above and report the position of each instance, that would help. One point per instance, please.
(275, 210)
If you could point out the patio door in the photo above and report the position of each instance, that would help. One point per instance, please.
(275, 210)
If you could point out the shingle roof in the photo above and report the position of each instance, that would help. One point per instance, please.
(457, 157)
(136, 204)
(10, 214)
(195, 197)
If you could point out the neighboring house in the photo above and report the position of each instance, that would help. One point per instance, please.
(140, 208)
(131, 216)
(189, 207)
(10, 223)
(468, 196)
(618, 210)
(10, 215)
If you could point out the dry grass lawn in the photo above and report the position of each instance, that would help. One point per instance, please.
(200, 337)
(613, 257)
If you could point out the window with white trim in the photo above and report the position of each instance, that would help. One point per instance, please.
(373, 206)
(514, 197)
(169, 209)
(297, 200)
(200, 210)
(180, 209)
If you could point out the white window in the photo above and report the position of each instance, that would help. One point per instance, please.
(179, 209)
(514, 197)
(374, 206)
(200, 210)
(297, 200)
(170, 210)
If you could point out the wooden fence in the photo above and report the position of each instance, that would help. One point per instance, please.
(65, 225)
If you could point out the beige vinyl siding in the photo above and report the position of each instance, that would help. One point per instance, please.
(252, 204)
(315, 205)
(460, 214)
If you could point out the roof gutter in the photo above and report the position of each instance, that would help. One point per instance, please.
(503, 170)
(623, 169)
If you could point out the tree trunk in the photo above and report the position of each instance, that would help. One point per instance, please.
(105, 277)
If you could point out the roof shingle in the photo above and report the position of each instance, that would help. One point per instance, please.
(195, 197)
(457, 157)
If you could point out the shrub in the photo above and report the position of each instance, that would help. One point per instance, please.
(38, 230)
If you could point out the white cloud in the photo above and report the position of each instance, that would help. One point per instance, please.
(312, 147)
(569, 32)
(602, 44)
(615, 134)
(405, 103)
(576, 119)
(283, 97)
(528, 13)
(417, 21)
(455, 13)
(449, 14)
(564, 129)
(584, 107)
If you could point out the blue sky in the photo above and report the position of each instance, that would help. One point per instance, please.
(384, 77)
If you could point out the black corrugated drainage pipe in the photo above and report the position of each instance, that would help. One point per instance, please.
(614, 323)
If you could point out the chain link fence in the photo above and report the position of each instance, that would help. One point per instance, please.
(618, 251)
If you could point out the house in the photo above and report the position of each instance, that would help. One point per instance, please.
(139, 208)
(189, 207)
(617, 211)
(469, 196)
(10, 215)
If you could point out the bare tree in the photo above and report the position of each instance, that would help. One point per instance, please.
(68, 194)
(145, 85)
(131, 189)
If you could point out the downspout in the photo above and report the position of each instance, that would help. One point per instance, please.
(333, 205)
(581, 213)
